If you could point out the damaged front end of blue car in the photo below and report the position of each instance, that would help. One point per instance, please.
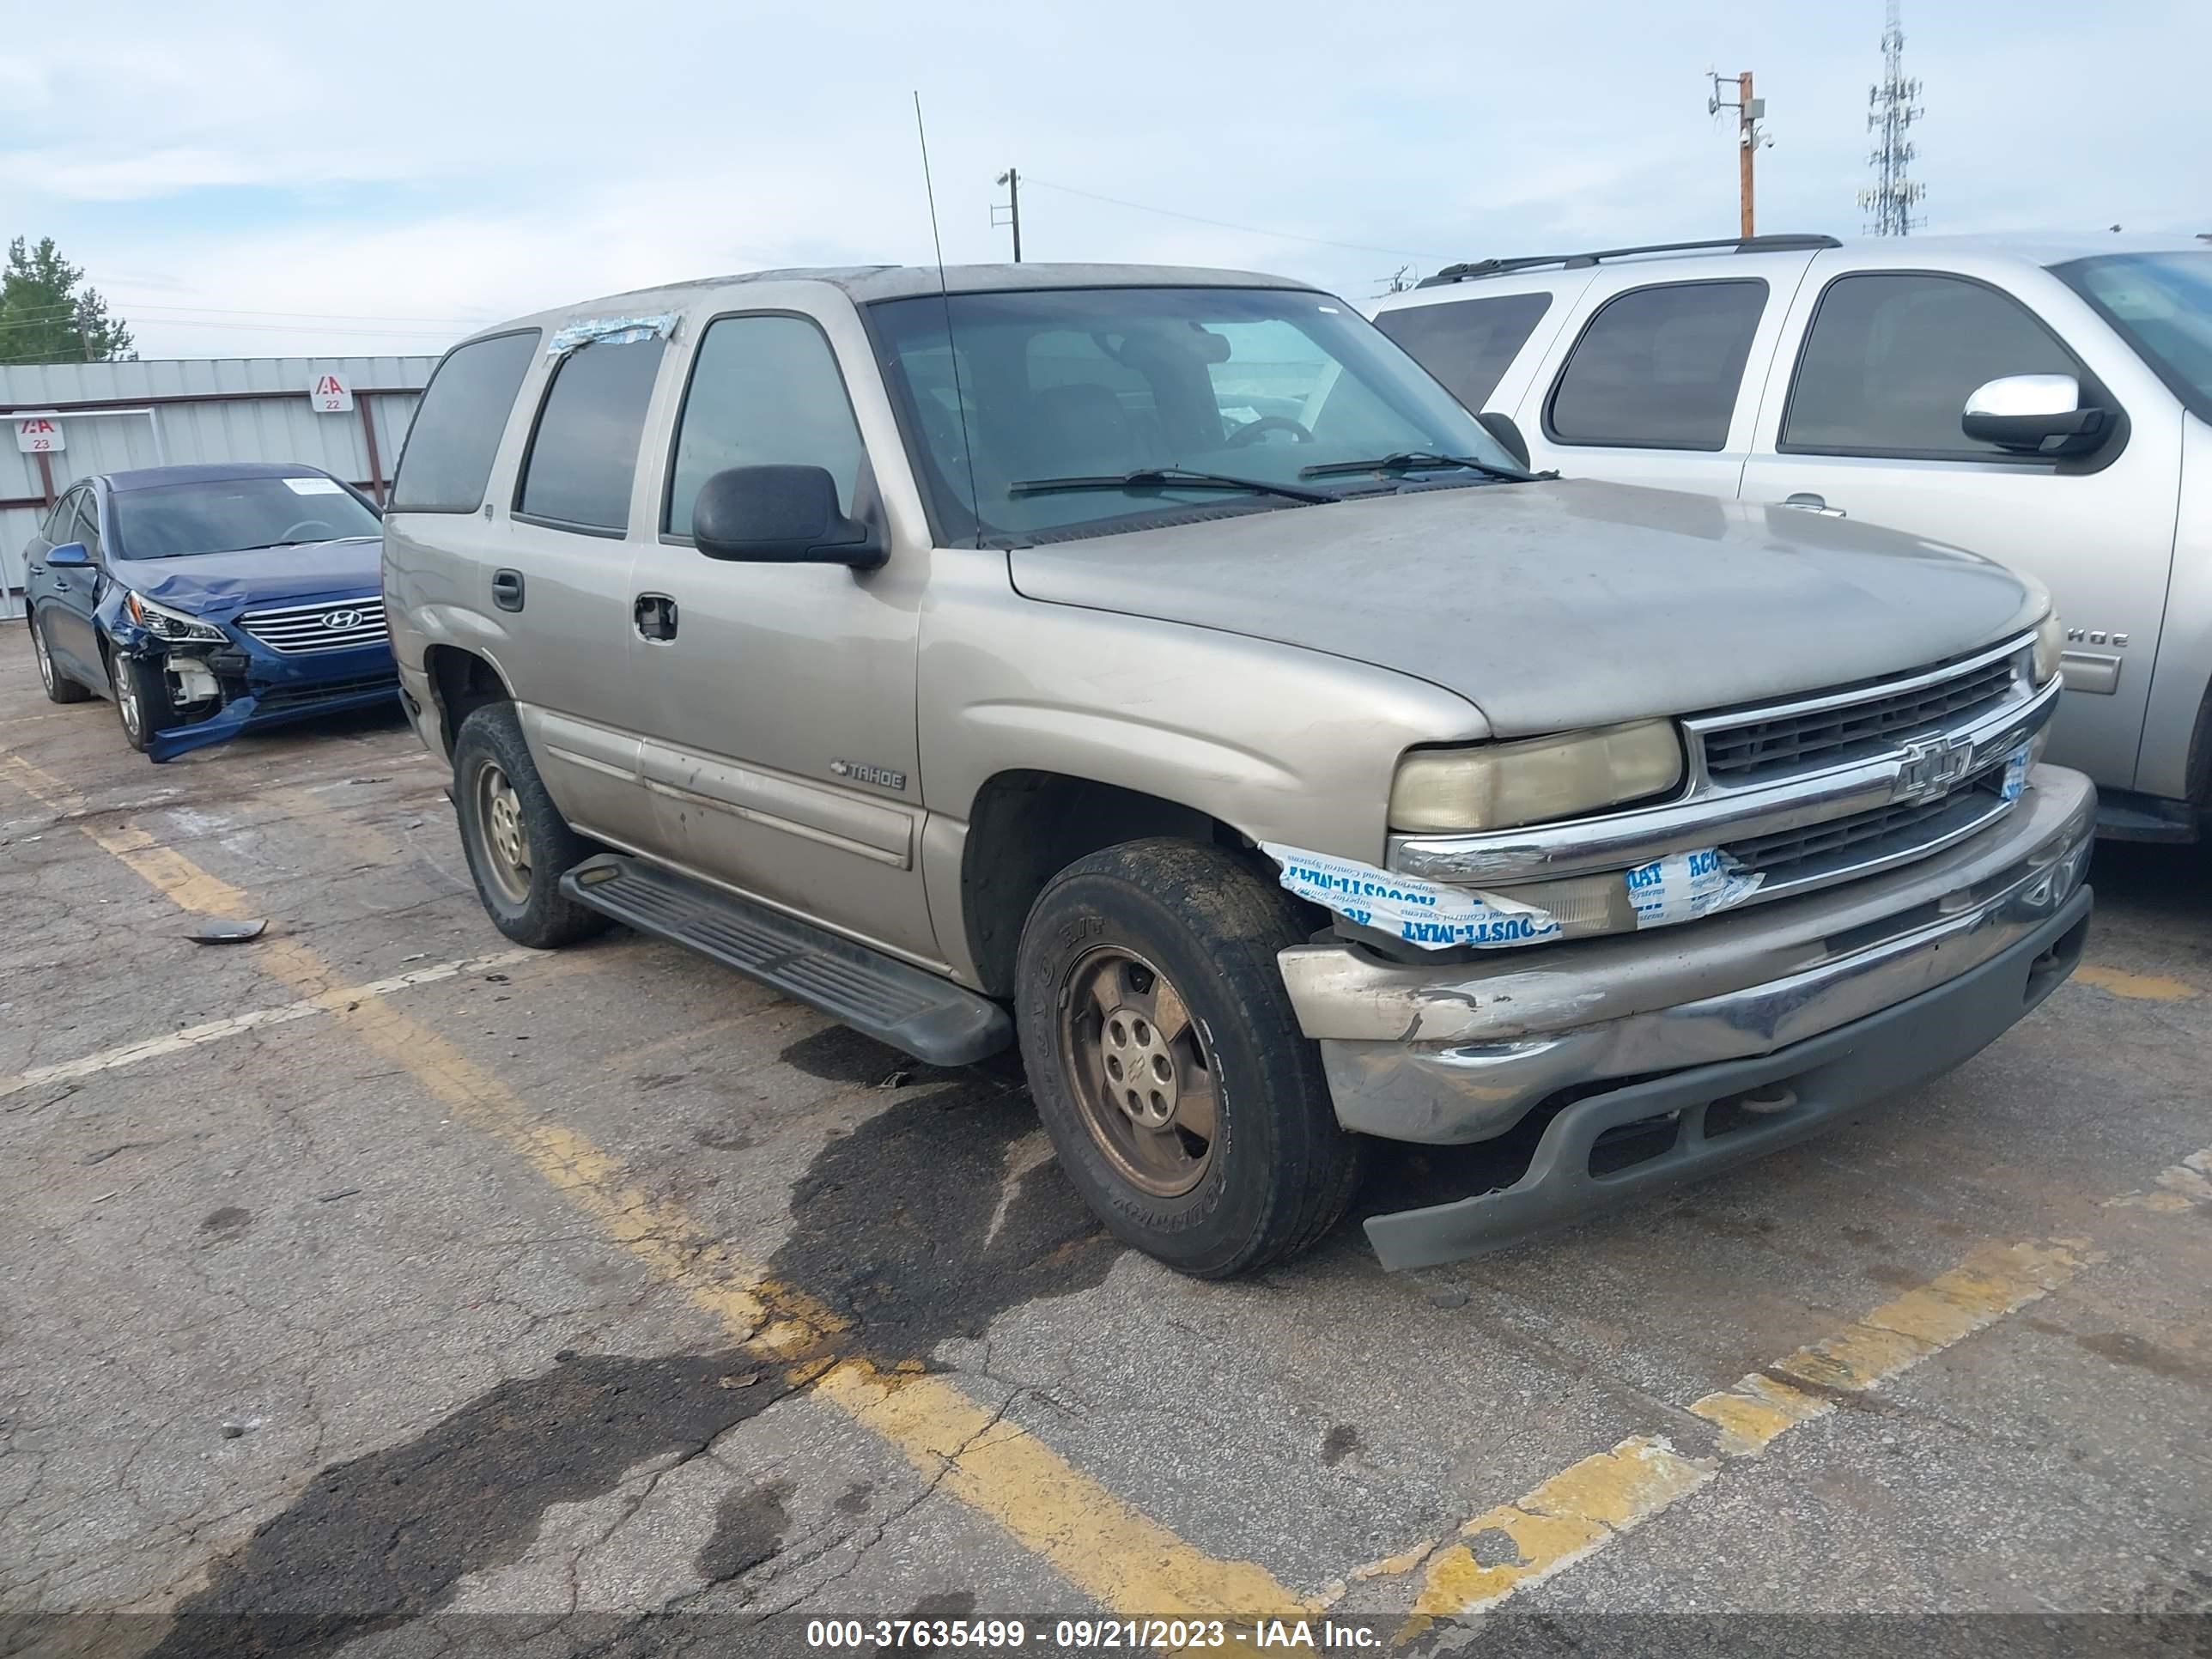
(236, 668)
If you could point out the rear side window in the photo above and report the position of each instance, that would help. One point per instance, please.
(1467, 343)
(765, 390)
(458, 426)
(1890, 361)
(1658, 367)
(584, 453)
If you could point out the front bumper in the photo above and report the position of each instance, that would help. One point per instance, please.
(1840, 997)
(261, 688)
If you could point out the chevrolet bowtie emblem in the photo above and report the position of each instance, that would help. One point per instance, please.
(1931, 766)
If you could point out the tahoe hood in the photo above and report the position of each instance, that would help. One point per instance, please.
(1560, 604)
(219, 583)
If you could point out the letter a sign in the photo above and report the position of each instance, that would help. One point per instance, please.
(39, 435)
(331, 395)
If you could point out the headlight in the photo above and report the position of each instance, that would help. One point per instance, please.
(1498, 786)
(2050, 643)
(167, 623)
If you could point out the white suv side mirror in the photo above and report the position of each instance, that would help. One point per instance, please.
(2034, 415)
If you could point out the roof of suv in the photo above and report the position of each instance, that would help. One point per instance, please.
(2034, 247)
(865, 283)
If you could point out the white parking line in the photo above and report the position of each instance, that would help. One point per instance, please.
(216, 1030)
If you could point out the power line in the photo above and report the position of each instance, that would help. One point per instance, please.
(1224, 224)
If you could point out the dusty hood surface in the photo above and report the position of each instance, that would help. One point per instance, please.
(1557, 605)
(219, 583)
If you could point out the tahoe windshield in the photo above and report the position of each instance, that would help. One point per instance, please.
(2161, 304)
(232, 515)
(1053, 412)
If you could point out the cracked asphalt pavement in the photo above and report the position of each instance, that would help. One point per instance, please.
(373, 1287)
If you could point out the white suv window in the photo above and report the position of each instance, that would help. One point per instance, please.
(1890, 359)
(1468, 345)
(1658, 367)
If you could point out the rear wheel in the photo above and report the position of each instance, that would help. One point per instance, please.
(1167, 1063)
(60, 688)
(519, 846)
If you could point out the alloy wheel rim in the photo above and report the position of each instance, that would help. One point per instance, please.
(1140, 1069)
(46, 662)
(507, 847)
(126, 696)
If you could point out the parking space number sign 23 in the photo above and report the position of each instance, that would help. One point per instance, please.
(39, 435)
(331, 395)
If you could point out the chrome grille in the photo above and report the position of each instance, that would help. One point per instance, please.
(1866, 841)
(1741, 753)
(333, 625)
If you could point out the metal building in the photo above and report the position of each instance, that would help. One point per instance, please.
(105, 417)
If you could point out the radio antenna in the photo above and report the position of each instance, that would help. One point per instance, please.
(951, 346)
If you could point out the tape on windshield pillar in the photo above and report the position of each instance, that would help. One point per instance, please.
(1424, 912)
(1683, 886)
(609, 330)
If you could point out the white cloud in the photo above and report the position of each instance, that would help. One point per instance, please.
(434, 159)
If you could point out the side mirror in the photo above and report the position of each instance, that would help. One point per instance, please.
(1508, 437)
(69, 556)
(2034, 415)
(780, 515)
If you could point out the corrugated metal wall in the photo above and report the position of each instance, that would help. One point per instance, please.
(216, 409)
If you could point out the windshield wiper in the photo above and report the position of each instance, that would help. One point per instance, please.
(1167, 478)
(1416, 460)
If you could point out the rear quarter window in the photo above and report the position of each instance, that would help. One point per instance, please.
(1468, 345)
(454, 439)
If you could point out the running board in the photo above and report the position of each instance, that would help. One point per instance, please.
(929, 1018)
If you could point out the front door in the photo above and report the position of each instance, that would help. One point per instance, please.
(778, 700)
(1868, 426)
(70, 594)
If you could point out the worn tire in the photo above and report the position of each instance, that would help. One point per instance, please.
(1281, 1170)
(59, 687)
(534, 911)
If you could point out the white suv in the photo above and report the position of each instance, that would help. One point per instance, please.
(2044, 401)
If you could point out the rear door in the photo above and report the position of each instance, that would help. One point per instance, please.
(778, 700)
(560, 562)
(1655, 377)
(1863, 419)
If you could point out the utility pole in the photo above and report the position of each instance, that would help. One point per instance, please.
(1750, 112)
(1013, 208)
(1890, 112)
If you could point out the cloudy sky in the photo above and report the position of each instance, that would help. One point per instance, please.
(382, 176)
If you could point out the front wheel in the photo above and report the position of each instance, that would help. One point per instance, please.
(1184, 1103)
(519, 846)
(141, 699)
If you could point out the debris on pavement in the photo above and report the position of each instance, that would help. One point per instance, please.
(217, 930)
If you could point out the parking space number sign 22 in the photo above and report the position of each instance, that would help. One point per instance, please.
(39, 435)
(331, 395)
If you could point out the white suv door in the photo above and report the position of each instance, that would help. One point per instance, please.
(1647, 381)
(1861, 417)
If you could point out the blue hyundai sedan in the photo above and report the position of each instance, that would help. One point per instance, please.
(205, 601)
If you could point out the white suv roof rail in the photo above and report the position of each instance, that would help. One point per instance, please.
(1782, 244)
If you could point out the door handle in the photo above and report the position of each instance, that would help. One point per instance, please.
(656, 616)
(1806, 502)
(507, 589)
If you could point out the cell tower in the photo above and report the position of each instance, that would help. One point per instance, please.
(1890, 110)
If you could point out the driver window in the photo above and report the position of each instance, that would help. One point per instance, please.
(87, 527)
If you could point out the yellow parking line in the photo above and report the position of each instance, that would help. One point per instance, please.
(1119, 1557)
(1583, 1508)
(2137, 987)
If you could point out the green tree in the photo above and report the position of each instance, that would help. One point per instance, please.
(48, 316)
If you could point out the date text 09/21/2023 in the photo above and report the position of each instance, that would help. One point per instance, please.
(1091, 1635)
